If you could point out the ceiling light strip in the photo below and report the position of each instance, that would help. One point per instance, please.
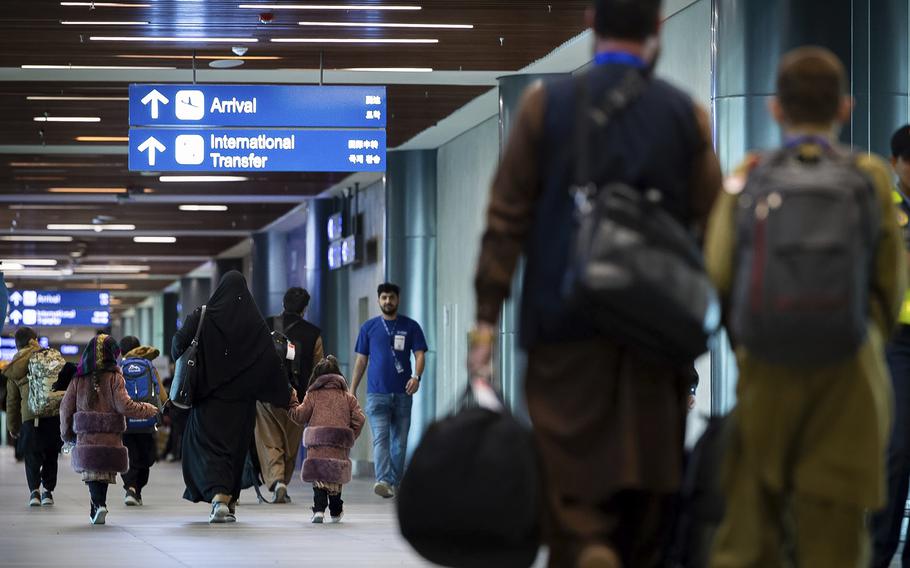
(67, 119)
(201, 179)
(72, 23)
(177, 39)
(391, 69)
(204, 57)
(357, 7)
(87, 190)
(156, 240)
(87, 227)
(352, 40)
(203, 207)
(36, 238)
(102, 139)
(98, 67)
(73, 98)
(387, 25)
(105, 4)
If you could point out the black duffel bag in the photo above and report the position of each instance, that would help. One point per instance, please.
(186, 369)
(471, 494)
(635, 272)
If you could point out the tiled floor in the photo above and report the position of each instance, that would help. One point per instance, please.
(169, 531)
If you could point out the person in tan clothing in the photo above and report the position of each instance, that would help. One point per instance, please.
(609, 419)
(278, 438)
(807, 454)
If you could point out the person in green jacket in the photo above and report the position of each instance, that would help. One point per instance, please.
(807, 454)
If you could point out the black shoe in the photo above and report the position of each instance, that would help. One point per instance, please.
(132, 499)
(34, 499)
(47, 499)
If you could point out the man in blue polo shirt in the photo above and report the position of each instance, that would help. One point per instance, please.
(386, 343)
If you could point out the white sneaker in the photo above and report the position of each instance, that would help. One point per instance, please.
(335, 520)
(220, 513)
(318, 518)
(100, 516)
(34, 499)
(384, 490)
(281, 493)
(131, 499)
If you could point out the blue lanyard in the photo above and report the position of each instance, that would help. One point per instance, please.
(392, 331)
(795, 141)
(620, 58)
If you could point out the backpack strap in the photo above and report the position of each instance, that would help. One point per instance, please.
(199, 327)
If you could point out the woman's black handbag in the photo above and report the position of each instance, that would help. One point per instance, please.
(480, 459)
(186, 370)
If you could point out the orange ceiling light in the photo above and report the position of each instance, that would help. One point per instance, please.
(87, 190)
(102, 139)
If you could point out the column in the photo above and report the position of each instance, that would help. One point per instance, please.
(268, 282)
(194, 292)
(411, 259)
(510, 359)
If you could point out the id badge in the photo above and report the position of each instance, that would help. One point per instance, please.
(292, 352)
(398, 344)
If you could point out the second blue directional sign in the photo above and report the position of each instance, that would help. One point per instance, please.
(257, 150)
(258, 106)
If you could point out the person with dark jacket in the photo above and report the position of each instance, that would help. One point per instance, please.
(92, 416)
(334, 420)
(38, 438)
(238, 366)
(277, 436)
(140, 444)
(609, 419)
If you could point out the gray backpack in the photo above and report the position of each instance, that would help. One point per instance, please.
(806, 234)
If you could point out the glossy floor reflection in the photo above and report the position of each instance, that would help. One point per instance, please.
(169, 531)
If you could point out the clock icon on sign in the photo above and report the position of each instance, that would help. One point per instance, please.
(190, 105)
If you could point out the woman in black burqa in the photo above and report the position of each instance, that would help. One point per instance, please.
(239, 365)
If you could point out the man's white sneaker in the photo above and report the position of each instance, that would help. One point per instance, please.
(318, 518)
(384, 490)
(336, 520)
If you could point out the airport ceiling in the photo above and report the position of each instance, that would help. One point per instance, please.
(52, 63)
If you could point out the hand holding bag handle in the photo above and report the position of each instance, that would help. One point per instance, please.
(185, 371)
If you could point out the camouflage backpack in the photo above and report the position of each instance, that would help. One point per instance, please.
(43, 370)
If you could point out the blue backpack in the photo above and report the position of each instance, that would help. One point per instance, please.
(142, 386)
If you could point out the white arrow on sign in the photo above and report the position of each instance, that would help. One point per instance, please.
(15, 317)
(154, 98)
(152, 145)
(16, 298)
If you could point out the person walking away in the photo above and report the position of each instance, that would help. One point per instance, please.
(887, 524)
(238, 366)
(386, 343)
(38, 437)
(609, 418)
(93, 417)
(334, 420)
(143, 384)
(810, 430)
(278, 438)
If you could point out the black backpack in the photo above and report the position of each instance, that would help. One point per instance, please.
(806, 235)
(471, 494)
(636, 273)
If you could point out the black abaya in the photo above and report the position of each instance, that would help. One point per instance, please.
(239, 365)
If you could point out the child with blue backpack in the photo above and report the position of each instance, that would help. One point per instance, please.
(143, 385)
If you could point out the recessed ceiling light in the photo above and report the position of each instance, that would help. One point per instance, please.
(204, 57)
(86, 227)
(387, 25)
(392, 69)
(160, 240)
(36, 238)
(87, 190)
(105, 4)
(349, 40)
(72, 23)
(325, 7)
(30, 261)
(67, 119)
(225, 63)
(124, 268)
(203, 207)
(11, 266)
(39, 272)
(66, 164)
(201, 179)
(97, 67)
(102, 139)
(74, 98)
(177, 39)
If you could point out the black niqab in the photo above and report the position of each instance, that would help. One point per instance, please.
(235, 337)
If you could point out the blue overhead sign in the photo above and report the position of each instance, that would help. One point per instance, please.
(67, 317)
(263, 150)
(258, 106)
(55, 300)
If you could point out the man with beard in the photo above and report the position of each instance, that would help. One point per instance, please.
(386, 342)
